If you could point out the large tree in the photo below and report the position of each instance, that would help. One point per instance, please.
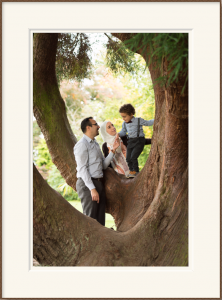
(150, 211)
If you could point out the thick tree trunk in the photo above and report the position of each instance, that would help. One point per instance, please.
(168, 156)
(49, 107)
(150, 211)
(65, 237)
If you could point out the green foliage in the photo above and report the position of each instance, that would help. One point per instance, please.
(135, 89)
(157, 46)
(103, 96)
(43, 156)
(49, 172)
(143, 156)
(73, 60)
(57, 182)
(36, 134)
(73, 56)
(119, 58)
(100, 97)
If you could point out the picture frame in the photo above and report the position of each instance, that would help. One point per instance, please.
(202, 278)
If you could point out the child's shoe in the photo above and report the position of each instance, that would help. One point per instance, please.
(132, 174)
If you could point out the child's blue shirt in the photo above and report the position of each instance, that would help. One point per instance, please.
(132, 127)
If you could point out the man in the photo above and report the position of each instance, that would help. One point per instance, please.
(90, 164)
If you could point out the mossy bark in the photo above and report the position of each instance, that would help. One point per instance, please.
(49, 107)
(150, 211)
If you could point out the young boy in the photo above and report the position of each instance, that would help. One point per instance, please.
(136, 136)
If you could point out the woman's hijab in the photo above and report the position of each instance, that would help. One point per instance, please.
(108, 138)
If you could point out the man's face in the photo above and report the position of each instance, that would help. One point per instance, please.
(94, 130)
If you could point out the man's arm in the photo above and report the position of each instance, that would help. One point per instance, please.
(146, 123)
(123, 131)
(82, 157)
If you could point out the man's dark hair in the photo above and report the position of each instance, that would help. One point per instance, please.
(86, 122)
(127, 109)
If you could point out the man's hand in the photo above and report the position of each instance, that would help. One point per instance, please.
(95, 195)
(116, 142)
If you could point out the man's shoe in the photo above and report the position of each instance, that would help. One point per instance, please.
(132, 174)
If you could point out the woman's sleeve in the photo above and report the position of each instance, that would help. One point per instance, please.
(106, 151)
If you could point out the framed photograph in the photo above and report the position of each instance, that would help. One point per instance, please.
(198, 276)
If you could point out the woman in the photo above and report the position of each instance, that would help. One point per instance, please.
(108, 133)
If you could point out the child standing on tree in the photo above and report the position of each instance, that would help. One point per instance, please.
(136, 136)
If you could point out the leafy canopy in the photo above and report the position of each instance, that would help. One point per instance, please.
(73, 59)
(120, 59)
(155, 47)
(73, 56)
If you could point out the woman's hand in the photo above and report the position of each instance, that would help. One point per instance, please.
(116, 142)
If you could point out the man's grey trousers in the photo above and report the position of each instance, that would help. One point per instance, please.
(92, 208)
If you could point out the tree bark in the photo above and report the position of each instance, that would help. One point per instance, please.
(150, 211)
(49, 107)
(169, 144)
(65, 237)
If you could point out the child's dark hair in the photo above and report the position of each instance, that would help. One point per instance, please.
(86, 122)
(127, 109)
